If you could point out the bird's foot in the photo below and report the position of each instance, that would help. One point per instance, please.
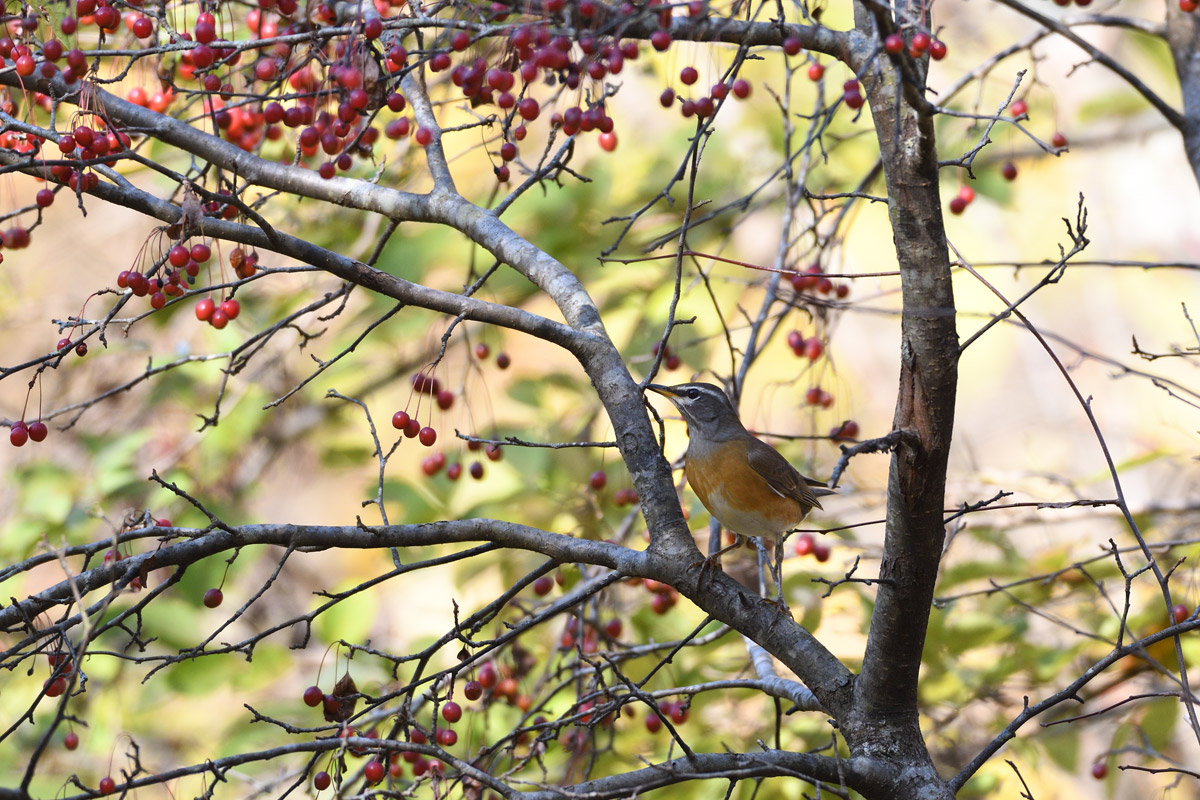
(781, 610)
(712, 563)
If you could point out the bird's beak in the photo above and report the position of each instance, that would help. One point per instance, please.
(665, 391)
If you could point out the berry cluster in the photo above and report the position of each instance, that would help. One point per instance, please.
(920, 44)
(807, 544)
(813, 280)
(674, 710)
(811, 348)
(20, 432)
(411, 427)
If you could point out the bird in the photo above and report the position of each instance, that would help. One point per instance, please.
(745, 484)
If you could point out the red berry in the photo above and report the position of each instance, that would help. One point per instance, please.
(412, 429)
(231, 308)
(482, 351)
(178, 255)
(598, 480)
(921, 41)
(967, 194)
(1059, 141)
(813, 396)
(1099, 770)
(528, 108)
(400, 420)
(213, 598)
(313, 696)
(1188, 6)
(804, 544)
(502, 360)
(428, 436)
(426, 384)
(1179, 613)
(423, 136)
(205, 309)
(613, 628)
(814, 348)
(741, 88)
(219, 319)
(373, 28)
(81, 349)
(937, 50)
(373, 771)
(71, 740)
(816, 71)
(653, 722)
(138, 285)
(18, 434)
(445, 399)
(1019, 109)
(821, 551)
(957, 205)
(472, 690)
(1009, 171)
(476, 470)
(689, 75)
(321, 781)
(847, 430)
(791, 45)
(44, 198)
(451, 711)
(660, 40)
(488, 678)
(447, 737)
(107, 785)
(894, 43)
(608, 142)
(55, 687)
(543, 585)
(37, 431)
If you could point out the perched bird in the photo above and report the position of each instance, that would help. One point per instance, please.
(744, 483)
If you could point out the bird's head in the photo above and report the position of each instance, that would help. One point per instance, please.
(704, 407)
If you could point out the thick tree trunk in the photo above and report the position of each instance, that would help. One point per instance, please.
(1183, 37)
(884, 722)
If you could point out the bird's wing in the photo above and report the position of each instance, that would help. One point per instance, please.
(782, 476)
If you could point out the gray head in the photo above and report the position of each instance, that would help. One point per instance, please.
(704, 407)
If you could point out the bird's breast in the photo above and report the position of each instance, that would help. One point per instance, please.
(740, 499)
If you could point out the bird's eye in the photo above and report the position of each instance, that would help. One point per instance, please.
(693, 393)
